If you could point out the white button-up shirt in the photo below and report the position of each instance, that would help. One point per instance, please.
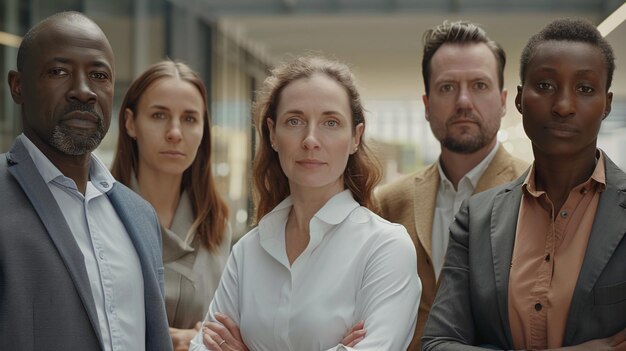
(357, 266)
(111, 261)
(448, 203)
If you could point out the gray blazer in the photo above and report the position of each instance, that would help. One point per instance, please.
(45, 297)
(471, 304)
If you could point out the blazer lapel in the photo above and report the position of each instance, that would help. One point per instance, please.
(136, 224)
(425, 196)
(140, 227)
(499, 171)
(607, 232)
(26, 174)
(504, 222)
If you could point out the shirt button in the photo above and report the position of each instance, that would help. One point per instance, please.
(564, 214)
(538, 307)
(104, 184)
(547, 257)
(101, 255)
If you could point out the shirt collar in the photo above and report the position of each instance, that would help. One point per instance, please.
(597, 177)
(334, 211)
(271, 227)
(99, 175)
(338, 208)
(474, 174)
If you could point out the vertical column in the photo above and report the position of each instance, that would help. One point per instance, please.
(141, 37)
(10, 124)
(183, 35)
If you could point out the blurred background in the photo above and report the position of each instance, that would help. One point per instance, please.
(232, 43)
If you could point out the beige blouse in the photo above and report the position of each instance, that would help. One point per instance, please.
(192, 272)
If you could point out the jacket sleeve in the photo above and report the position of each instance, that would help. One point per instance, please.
(450, 325)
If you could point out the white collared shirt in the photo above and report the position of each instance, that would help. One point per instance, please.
(112, 264)
(357, 266)
(448, 203)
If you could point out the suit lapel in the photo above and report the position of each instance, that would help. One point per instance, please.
(607, 232)
(140, 227)
(425, 195)
(504, 222)
(135, 224)
(26, 174)
(499, 171)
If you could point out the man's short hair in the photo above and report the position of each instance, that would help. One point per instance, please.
(460, 32)
(569, 29)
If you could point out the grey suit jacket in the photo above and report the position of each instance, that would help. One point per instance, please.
(471, 304)
(45, 296)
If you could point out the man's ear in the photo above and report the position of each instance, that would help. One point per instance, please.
(15, 86)
(503, 94)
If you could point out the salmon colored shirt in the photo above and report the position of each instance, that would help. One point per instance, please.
(547, 257)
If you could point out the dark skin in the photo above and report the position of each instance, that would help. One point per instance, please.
(563, 102)
(66, 83)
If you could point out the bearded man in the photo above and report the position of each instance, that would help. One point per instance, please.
(465, 102)
(80, 254)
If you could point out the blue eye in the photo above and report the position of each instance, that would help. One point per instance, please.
(294, 122)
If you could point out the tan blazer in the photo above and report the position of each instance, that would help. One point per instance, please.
(410, 201)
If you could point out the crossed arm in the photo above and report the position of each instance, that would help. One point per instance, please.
(386, 304)
(452, 324)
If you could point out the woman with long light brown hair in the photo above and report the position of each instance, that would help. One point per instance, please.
(321, 271)
(164, 154)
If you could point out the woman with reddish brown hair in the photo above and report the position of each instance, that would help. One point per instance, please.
(321, 271)
(164, 154)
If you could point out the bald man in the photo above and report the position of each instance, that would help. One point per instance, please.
(80, 254)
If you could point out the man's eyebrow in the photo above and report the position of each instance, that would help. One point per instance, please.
(66, 60)
(99, 63)
(60, 59)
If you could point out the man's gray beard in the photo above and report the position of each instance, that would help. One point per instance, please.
(71, 142)
(466, 146)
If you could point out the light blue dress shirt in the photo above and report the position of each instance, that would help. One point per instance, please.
(111, 261)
